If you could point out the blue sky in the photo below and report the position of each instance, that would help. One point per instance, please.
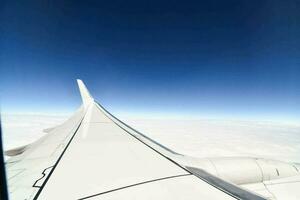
(215, 59)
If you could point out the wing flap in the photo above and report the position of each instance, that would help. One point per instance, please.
(26, 168)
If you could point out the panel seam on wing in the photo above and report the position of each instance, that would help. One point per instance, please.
(58, 160)
(136, 184)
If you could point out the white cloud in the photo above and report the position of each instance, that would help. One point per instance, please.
(22, 129)
(200, 138)
(209, 138)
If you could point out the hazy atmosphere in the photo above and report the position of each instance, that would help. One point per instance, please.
(215, 59)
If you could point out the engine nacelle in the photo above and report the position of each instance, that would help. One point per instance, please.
(242, 170)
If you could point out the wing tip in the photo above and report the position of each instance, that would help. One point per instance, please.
(85, 94)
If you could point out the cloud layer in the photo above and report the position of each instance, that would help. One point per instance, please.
(200, 138)
(209, 138)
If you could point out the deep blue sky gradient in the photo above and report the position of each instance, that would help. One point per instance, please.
(228, 59)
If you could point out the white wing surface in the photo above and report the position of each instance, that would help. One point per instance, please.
(96, 156)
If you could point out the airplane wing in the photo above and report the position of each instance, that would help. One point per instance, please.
(94, 155)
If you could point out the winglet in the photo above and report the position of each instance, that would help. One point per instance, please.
(85, 95)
